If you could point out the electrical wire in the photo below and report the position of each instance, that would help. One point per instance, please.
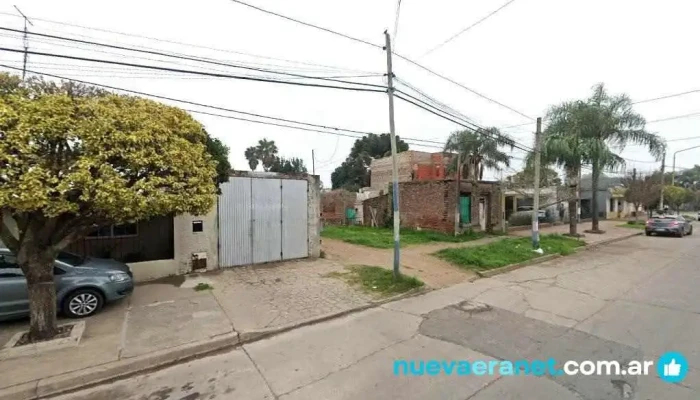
(361, 133)
(180, 57)
(453, 37)
(396, 20)
(452, 120)
(381, 47)
(307, 24)
(113, 32)
(218, 75)
(666, 97)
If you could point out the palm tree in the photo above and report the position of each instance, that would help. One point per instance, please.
(478, 150)
(591, 131)
(265, 152)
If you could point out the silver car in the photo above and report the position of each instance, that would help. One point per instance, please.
(83, 285)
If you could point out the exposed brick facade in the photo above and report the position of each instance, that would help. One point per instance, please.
(334, 204)
(412, 165)
(382, 205)
(431, 204)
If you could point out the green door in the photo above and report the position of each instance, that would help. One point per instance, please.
(464, 210)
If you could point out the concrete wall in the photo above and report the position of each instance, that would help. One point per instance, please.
(314, 216)
(381, 205)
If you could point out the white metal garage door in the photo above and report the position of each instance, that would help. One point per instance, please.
(262, 220)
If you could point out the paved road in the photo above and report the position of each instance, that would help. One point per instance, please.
(633, 300)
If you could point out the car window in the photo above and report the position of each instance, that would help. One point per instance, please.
(70, 258)
(58, 271)
(9, 267)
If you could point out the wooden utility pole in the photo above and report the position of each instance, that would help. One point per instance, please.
(536, 194)
(26, 41)
(394, 161)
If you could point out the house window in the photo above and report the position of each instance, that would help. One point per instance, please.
(110, 231)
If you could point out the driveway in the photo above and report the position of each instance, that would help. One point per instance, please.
(631, 300)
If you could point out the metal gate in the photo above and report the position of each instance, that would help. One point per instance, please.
(262, 220)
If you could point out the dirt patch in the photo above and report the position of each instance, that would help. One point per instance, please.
(63, 332)
(415, 260)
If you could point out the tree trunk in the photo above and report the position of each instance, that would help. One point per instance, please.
(573, 202)
(595, 217)
(42, 298)
(474, 198)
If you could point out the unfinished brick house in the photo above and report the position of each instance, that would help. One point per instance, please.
(430, 198)
(334, 206)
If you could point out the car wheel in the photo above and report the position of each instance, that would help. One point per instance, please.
(83, 303)
(648, 233)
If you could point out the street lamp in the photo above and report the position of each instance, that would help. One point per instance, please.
(673, 172)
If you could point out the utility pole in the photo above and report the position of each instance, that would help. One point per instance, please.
(536, 194)
(663, 167)
(673, 171)
(457, 184)
(313, 163)
(26, 41)
(395, 167)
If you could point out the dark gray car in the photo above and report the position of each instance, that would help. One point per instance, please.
(675, 225)
(83, 285)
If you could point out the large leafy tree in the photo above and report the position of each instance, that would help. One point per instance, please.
(478, 150)
(592, 131)
(265, 153)
(71, 160)
(353, 173)
(292, 165)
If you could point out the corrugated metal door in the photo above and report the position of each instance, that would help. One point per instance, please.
(295, 228)
(235, 225)
(267, 217)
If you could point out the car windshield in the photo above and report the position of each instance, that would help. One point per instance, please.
(70, 258)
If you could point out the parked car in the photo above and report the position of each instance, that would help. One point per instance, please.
(83, 285)
(669, 225)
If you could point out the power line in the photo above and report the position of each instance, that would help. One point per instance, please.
(181, 57)
(451, 38)
(430, 143)
(450, 119)
(396, 20)
(396, 54)
(176, 43)
(461, 85)
(666, 97)
(203, 73)
(308, 24)
(675, 117)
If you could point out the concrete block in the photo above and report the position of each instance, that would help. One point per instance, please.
(35, 349)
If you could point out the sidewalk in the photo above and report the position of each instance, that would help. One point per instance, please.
(169, 315)
(607, 304)
(418, 260)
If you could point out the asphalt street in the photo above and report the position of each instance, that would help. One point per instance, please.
(632, 300)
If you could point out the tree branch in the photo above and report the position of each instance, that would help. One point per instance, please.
(6, 235)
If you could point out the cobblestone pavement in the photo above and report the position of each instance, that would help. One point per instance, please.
(274, 295)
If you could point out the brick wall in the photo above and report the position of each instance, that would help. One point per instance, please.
(428, 205)
(381, 168)
(334, 204)
(382, 205)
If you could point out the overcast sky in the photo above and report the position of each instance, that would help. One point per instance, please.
(530, 55)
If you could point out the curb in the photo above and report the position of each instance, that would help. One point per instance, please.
(258, 334)
(125, 368)
(502, 270)
(100, 374)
